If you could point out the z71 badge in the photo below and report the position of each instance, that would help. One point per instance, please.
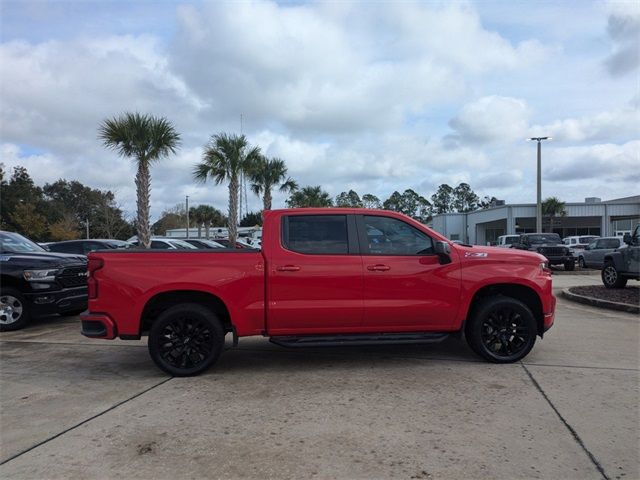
(476, 254)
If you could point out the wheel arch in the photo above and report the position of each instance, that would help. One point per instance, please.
(523, 293)
(163, 300)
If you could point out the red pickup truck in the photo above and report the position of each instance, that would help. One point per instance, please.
(323, 277)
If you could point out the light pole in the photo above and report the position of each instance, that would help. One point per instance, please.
(539, 197)
(187, 216)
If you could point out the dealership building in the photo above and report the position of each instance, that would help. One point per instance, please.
(591, 217)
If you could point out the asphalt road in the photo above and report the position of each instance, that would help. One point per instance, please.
(78, 408)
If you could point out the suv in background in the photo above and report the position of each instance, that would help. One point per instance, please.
(593, 254)
(507, 241)
(549, 245)
(165, 244)
(578, 243)
(624, 263)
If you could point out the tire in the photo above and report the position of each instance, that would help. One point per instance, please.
(186, 340)
(72, 313)
(581, 263)
(501, 329)
(14, 310)
(569, 266)
(611, 277)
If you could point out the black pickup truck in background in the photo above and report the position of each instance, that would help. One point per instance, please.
(549, 245)
(36, 282)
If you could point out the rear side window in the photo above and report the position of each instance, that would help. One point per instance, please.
(67, 248)
(611, 243)
(389, 236)
(316, 234)
(159, 245)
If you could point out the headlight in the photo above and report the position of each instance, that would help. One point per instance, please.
(544, 267)
(40, 275)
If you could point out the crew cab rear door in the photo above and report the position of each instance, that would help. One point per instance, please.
(315, 281)
(406, 288)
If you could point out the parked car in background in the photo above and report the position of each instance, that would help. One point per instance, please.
(578, 243)
(507, 241)
(593, 254)
(35, 282)
(83, 247)
(549, 245)
(203, 243)
(624, 263)
(158, 243)
(227, 243)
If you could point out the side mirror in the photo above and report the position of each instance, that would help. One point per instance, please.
(627, 239)
(443, 250)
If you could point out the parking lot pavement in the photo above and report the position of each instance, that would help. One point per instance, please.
(73, 407)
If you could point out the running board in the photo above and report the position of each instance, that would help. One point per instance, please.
(347, 340)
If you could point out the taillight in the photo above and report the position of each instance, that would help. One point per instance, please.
(94, 265)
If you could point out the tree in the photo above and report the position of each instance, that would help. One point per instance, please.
(196, 217)
(170, 219)
(146, 139)
(464, 199)
(552, 207)
(268, 173)
(64, 229)
(224, 159)
(251, 219)
(309, 197)
(349, 200)
(442, 200)
(28, 221)
(487, 202)
(20, 190)
(371, 201)
(409, 203)
(212, 217)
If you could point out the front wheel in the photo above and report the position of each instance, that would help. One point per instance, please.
(502, 329)
(610, 276)
(186, 340)
(14, 311)
(581, 263)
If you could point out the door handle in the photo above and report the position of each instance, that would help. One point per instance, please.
(378, 268)
(288, 268)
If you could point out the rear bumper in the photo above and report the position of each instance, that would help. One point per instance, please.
(98, 325)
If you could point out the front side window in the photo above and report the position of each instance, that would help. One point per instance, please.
(317, 234)
(389, 236)
(159, 245)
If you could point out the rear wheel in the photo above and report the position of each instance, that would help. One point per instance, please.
(611, 277)
(14, 311)
(186, 340)
(502, 329)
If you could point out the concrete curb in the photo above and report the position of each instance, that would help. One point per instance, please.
(575, 272)
(596, 302)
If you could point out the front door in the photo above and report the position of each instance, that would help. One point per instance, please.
(315, 277)
(406, 288)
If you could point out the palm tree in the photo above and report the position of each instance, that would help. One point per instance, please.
(197, 216)
(553, 207)
(211, 215)
(225, 158)
(309, 197)
(146, 139)
(268, 173)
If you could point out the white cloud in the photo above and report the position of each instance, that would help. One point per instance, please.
(492, 119)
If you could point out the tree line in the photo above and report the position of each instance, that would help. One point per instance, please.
(58, 210)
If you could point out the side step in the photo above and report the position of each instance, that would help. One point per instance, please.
(347, 340)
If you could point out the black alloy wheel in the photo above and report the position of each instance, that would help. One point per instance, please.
(502, 330)
(186, 340)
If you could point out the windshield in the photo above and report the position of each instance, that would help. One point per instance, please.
(511, 240)
(586, 239)
(15, 243)
(545, 238)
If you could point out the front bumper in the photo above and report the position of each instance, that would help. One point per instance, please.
(559, 259)
(57, 301)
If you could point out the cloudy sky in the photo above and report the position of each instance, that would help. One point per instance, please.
(374, 96)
